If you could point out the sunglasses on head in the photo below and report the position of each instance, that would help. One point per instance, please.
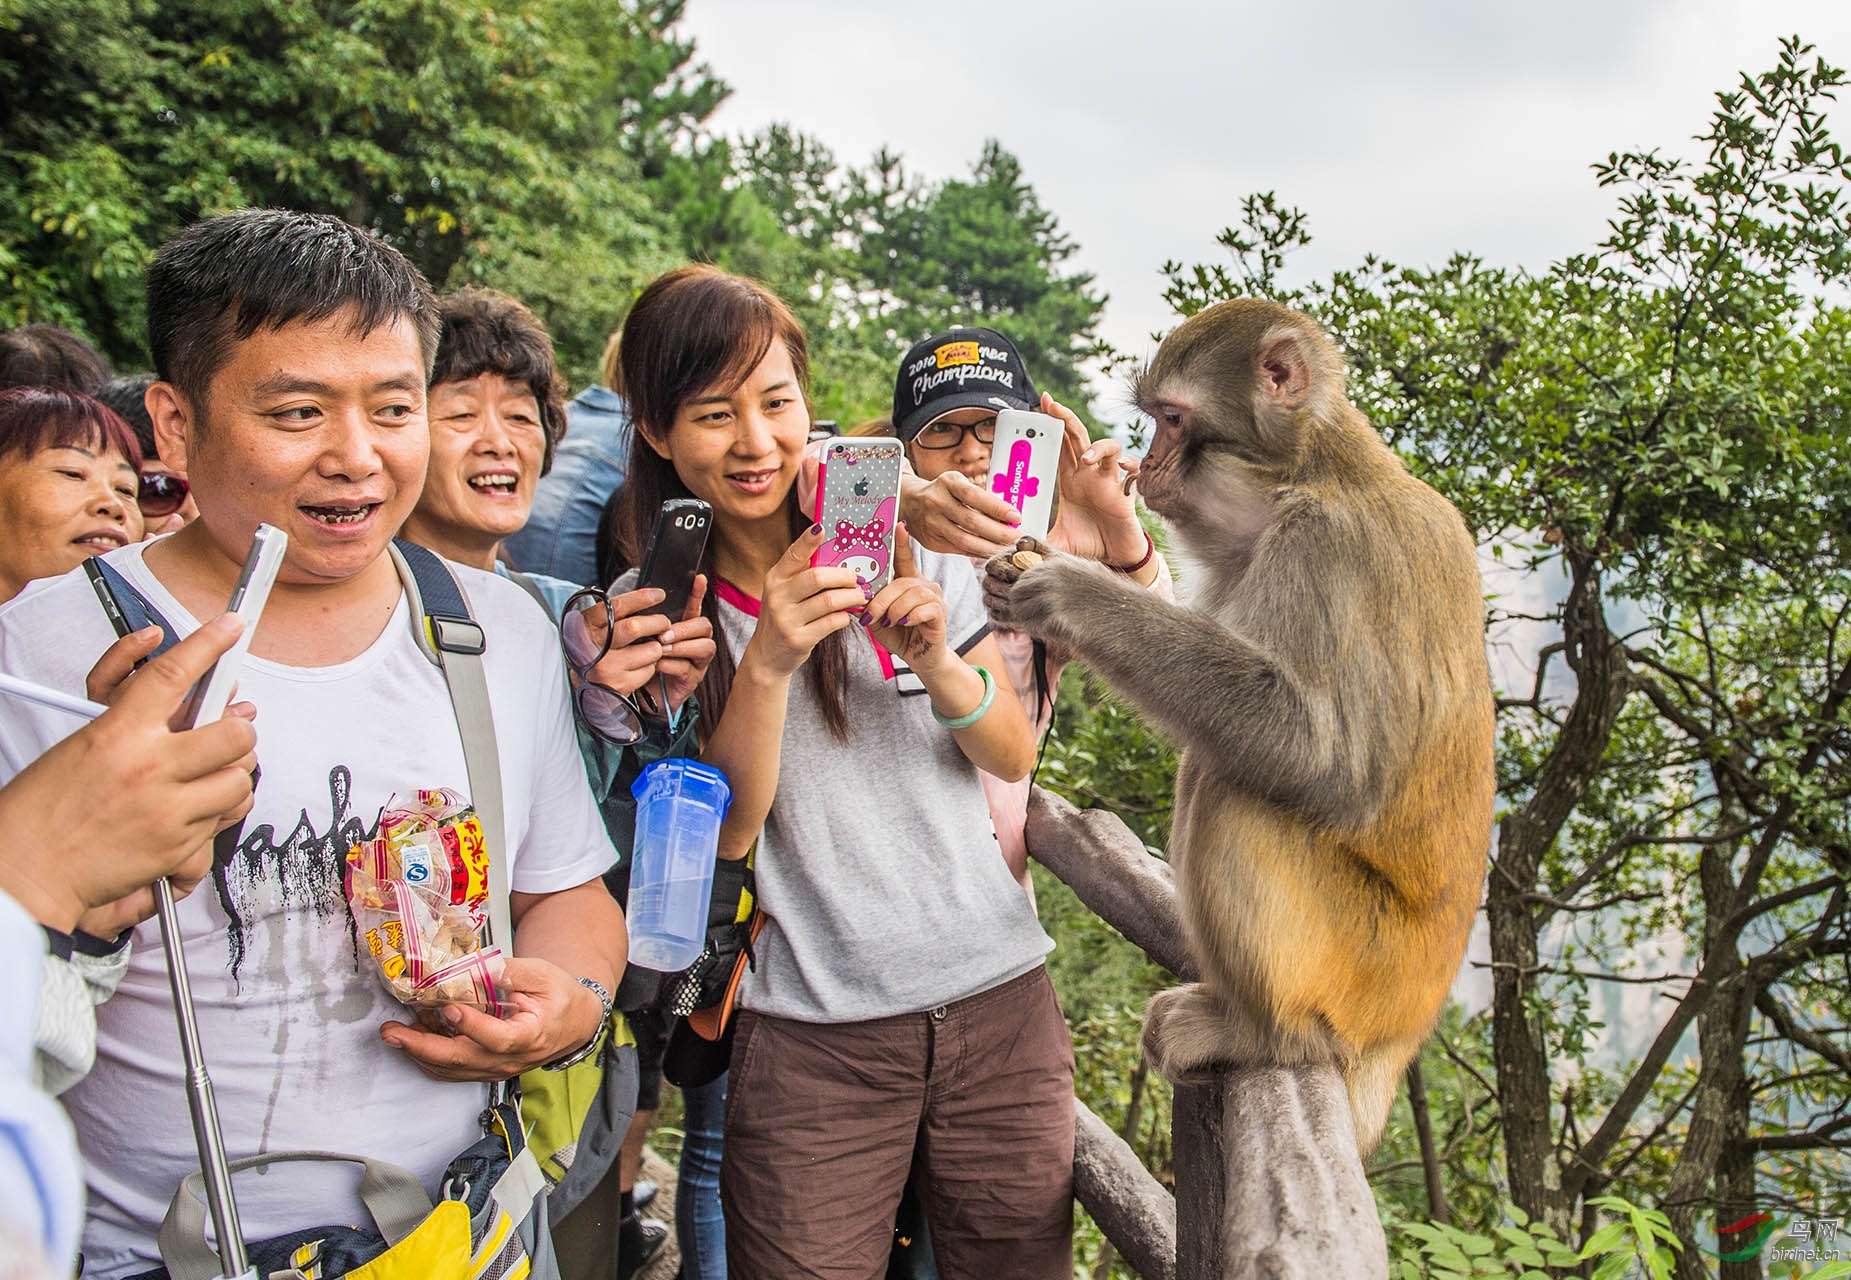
(607, 713)
(162, 493)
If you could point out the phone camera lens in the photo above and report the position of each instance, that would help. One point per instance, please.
(1030, 432)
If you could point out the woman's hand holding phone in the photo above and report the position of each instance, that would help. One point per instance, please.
(907, 616)
(955, 515)
(636, 642)
(687, 648)
(802, 603)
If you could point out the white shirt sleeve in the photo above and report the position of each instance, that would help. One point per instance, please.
(966, 620)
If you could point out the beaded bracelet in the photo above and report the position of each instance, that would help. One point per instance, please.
(976, 713)
(1150, 549)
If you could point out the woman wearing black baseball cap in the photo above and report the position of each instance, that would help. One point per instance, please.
(945, 399)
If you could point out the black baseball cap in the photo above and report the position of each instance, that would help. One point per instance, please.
(959, 369)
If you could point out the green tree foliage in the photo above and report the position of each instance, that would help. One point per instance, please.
(73, 209)
(557, 150)
(1654, 439)
(1639, 1243)
(465, 133)
(981, 251)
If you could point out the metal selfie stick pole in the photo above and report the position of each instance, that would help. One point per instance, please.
(207, 1136)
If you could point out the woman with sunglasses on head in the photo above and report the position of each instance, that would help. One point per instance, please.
(898, 1014)
(165, 499)
(69, 472)
(949, 425)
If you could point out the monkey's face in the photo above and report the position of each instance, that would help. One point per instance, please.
(1230, 392)
(1163, 476)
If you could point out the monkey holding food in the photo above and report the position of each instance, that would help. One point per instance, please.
(1327, 684)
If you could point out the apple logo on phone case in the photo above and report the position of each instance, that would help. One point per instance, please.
(1013, 481)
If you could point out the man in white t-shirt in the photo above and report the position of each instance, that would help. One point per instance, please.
(292, 351)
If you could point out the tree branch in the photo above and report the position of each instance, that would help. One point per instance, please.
(1774, 902)
(1557, 904)
(1824, 1137)
(1789, 1026)
(1720, 953)
(1490, 1089)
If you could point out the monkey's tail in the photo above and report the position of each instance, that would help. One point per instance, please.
(1372, 1080)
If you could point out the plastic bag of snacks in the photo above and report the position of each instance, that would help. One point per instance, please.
(419, 894)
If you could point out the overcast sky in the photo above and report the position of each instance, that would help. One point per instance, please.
(1407, 130)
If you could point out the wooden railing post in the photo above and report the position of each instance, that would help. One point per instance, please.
(1296, 1204)
(1269, 1185)
(1201, 1160)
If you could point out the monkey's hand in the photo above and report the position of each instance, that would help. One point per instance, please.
(1038, 590)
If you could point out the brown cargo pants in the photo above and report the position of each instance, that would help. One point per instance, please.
(823, 1121)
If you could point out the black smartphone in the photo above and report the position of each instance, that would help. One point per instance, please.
(674, 554)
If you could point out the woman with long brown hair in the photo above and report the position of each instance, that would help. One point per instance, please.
(898, 1016)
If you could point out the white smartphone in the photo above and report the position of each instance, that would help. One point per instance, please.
(858, 505)
(213, 692)
(1025, 465)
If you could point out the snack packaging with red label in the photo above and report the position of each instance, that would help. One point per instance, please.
(418, 892)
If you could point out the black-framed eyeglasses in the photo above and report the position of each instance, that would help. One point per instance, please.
(948, 435)
(607, 713)
(161, 494)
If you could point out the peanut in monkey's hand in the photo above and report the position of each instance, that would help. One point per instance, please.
(1008, 605)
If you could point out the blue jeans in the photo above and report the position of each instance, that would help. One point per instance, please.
(700, 1230)
(560, 538)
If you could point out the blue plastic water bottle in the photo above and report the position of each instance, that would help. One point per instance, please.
(679, 807)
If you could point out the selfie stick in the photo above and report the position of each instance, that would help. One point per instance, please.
(207, 1136)
(52, 698)
(206, 704)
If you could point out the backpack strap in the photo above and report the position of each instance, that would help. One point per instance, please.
(127, 608)
(450, 637)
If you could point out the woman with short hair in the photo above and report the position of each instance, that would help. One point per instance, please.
(70, 470)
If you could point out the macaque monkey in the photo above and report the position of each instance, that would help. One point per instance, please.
(1327, 683)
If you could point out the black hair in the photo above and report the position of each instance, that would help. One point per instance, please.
(489, 332)
(43, 355)
(34, 418)
(128, 396)
(221, 280)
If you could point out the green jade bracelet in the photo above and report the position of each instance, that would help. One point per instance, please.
(971, 717)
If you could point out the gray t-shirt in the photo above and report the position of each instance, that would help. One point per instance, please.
(878, 868)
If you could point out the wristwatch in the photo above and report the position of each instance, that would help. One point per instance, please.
(597, 1037)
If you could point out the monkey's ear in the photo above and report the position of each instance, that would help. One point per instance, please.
(1282, 371)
